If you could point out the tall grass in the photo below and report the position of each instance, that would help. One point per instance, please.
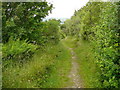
(48, 68)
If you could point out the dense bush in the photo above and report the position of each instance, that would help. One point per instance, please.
(107, 45)
(51, 31)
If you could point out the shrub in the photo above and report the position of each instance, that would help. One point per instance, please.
(17, 49)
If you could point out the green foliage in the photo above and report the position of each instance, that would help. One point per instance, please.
(98, 22)
(17, 49)
(61, 34)
(106, 45)
(20, 19)
(51, 31)
(83, 20)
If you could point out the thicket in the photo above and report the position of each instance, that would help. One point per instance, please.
(98, 23)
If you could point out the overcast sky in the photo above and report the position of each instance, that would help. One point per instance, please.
(65, 8)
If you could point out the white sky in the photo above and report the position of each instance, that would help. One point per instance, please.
(65, 8)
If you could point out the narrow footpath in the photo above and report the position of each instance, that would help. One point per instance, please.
(74, 76)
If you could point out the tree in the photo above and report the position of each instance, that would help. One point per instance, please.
(19, 19)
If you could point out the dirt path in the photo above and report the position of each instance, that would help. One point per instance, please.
(74, 76)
